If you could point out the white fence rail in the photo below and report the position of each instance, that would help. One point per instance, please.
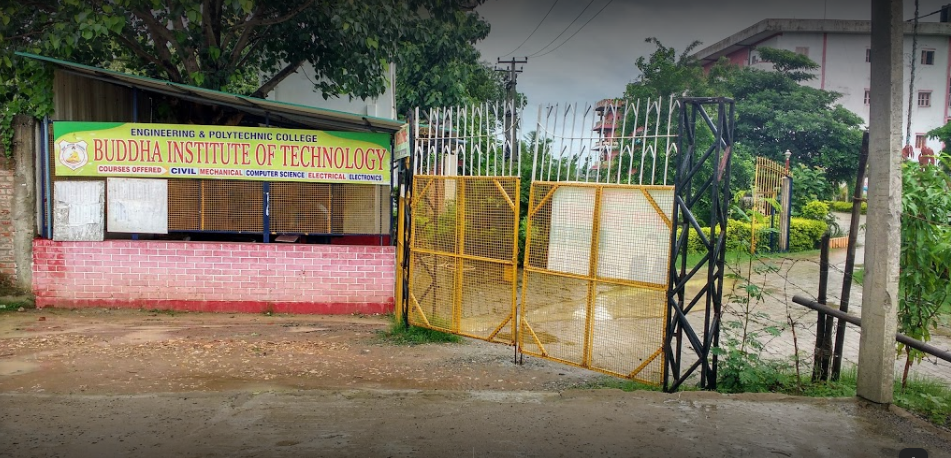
(612, 141)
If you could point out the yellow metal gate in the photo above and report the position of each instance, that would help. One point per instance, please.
(595, 277)
(771, 181)
(463, 255)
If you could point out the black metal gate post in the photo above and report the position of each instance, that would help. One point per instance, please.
(703, 170)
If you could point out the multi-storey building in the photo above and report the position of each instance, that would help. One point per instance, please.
(608, 112)
(842, 48)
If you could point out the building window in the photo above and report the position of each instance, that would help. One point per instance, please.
(868, 96)
(927, 57)
(868, 54)
(924, 99)
(804, 50)
(920, 141)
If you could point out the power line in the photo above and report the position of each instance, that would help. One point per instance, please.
(922, 17)
(533, 31)
(576, 32)
(566, 29)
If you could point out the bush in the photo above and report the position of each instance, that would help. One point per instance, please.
(815, 210)
(845, 207)
(804, 234)
(809, 184)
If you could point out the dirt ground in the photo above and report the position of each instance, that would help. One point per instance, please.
(135, 383)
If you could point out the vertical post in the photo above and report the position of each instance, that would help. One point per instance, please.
(44, 175)
(876, 372)
(820, 359)
(592, 279)
(511, 82)
(135, 118)
(460, 251)
(857, 200)
(23, 212)
(266, 223)
(787, 212)
(266, 226)
(49, 182)
(406, 194)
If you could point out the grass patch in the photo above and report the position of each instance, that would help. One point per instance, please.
(13, 306)
(402, 335)
(859, 276)
(926, 397)
(616, 383)
(735, 257)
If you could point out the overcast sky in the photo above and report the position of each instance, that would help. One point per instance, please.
(597, 61)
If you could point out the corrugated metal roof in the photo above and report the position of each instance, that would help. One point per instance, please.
(317, 118)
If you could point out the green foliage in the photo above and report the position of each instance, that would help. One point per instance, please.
(7, 306)
(797, 66)
(815, 210)
(942, 133)
(665, 72)
(809, 184)
(441, 67)
(745, 372)
(804, 234)
(218, 45)
(776, 113)
(928, 398)
(845, 207)
(925, 274)
(608, 382)
(398, 334)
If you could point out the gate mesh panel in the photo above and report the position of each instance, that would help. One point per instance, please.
(463, 252)
(596, 268)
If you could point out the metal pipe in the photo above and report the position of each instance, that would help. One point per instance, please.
(901, 338)
(850, 257)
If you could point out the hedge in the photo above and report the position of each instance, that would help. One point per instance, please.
(804, 234)
(845, 207)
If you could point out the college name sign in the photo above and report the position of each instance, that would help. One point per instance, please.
(100, 149)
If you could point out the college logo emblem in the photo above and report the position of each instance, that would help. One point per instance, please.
(73, 154)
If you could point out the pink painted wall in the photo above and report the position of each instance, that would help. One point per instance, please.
(220, 277)
(741, 57)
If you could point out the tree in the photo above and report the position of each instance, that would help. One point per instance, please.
(775, 113)
(246, 46)
(439, 65)
(666, 73)
(923, 280)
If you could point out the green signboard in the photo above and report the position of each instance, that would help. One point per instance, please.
(93, 149)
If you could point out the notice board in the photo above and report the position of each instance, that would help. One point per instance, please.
(137, 205)
(78, 211)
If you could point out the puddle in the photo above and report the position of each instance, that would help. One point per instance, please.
(16, 367)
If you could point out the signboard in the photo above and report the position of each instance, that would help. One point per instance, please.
(78, 211)
(96, 149)
(401, 143)
(137, 205)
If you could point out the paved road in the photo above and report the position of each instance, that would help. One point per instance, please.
(386, 423)
(800, 275)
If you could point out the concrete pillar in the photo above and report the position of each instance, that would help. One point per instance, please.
(24, 199)
(876, 372)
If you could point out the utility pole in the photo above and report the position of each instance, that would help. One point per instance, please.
(511, 80)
